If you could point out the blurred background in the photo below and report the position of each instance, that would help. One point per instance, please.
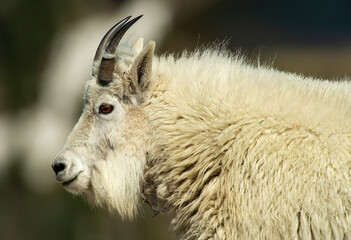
(46, 51)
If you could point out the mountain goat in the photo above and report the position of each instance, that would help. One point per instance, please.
(228, 150)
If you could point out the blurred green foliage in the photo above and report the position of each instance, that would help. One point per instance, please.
(27, 29)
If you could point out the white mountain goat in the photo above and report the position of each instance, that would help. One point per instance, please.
(228, 150)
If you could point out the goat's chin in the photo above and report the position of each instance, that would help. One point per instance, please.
(116, 187)
(78, 185)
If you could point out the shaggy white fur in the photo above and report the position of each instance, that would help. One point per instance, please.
(228, 150)
(243, 152)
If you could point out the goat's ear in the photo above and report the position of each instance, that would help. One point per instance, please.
(141, 68)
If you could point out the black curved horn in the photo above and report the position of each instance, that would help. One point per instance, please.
(108, 45)
(111, 47)
(108, 36)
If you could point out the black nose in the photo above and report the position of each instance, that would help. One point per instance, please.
(58, 167)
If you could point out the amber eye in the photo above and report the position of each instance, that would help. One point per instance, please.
(105, 108)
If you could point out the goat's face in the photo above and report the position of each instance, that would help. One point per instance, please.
(104, 155)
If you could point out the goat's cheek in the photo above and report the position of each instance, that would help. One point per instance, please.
(96, 174)
(97, 144)
(101, 176)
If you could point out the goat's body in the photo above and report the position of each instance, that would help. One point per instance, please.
(239, 152)
(230, 151)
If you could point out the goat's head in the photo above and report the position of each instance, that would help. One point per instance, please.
(104, 155)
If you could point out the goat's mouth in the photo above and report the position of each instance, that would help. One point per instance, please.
(77, 184)
(65, 184)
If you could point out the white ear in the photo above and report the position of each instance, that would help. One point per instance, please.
(138, 46)
(141, 68)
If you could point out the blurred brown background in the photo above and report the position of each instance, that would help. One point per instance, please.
(46, 51)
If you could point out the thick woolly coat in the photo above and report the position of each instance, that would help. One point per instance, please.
(228, 150)
(244, 152)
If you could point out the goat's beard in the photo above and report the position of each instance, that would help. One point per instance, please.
(115, 184)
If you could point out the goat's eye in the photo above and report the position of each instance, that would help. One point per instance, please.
(105, 108)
